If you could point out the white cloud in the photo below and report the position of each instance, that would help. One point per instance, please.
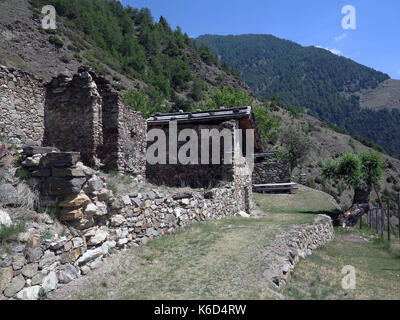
(341, 37)
(334, 51)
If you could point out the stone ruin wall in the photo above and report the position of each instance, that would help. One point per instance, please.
(81, 113)
(73, 116)
(124, 133)
(22, 99)
(95, 122)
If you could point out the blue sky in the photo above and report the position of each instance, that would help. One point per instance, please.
(375, 42)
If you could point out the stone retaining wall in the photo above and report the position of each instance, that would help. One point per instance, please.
(101, 222)
(300, 241)
(21, 107)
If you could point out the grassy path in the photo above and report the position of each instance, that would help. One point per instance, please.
(233, 258)
(377, 270)
(227, 259)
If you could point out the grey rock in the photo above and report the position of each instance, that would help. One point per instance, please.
(62, 187)
(5, 218)
(60, 159)
(122, 242)
(117, 220)
(18, 262)
(77, 242)
(30, 270)
(58, 244)
(33, 161)
(37, 279)
(6, 276)
(15, 286)
(137, 202)
(99, 237)
(33, 254)
(126, 200)
(31, 293)
(90, 255)
(48, 259)
(95, 264)
(95, 184)
(50, 281)
(85, 270)
(91, 209)
(8, 194)
(108, 245)
(69, 273)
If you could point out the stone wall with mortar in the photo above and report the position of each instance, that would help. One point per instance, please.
(271, 172)
(100, 222)
(22, 99)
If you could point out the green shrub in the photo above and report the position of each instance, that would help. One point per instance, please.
(11, 231)
(56, 41)
(65, 59)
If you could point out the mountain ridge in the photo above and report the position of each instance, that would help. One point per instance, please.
(327, 86)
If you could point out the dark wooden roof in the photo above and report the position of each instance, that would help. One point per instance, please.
(201, 116)
(244, 114)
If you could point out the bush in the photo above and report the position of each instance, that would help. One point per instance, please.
(65, 59)
(56, 41)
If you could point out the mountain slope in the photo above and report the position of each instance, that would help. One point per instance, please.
(26, 46)
(328, 86)
(123, 44)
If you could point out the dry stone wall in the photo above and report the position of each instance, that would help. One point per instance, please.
(271, 172)
(99, 221)
(22, 99)
(299, 242)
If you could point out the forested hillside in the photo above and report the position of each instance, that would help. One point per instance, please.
(324, 84)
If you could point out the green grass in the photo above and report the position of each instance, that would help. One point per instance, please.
(377, 270)
(300, 207)
(10, 232)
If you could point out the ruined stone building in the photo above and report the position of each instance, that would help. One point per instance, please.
(223, 129)
(80, 113)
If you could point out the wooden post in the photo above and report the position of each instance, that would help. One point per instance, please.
(361, 222)
(388, 217)
(382, 221)
(369, 218)
(398, 211)
(376, 220)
